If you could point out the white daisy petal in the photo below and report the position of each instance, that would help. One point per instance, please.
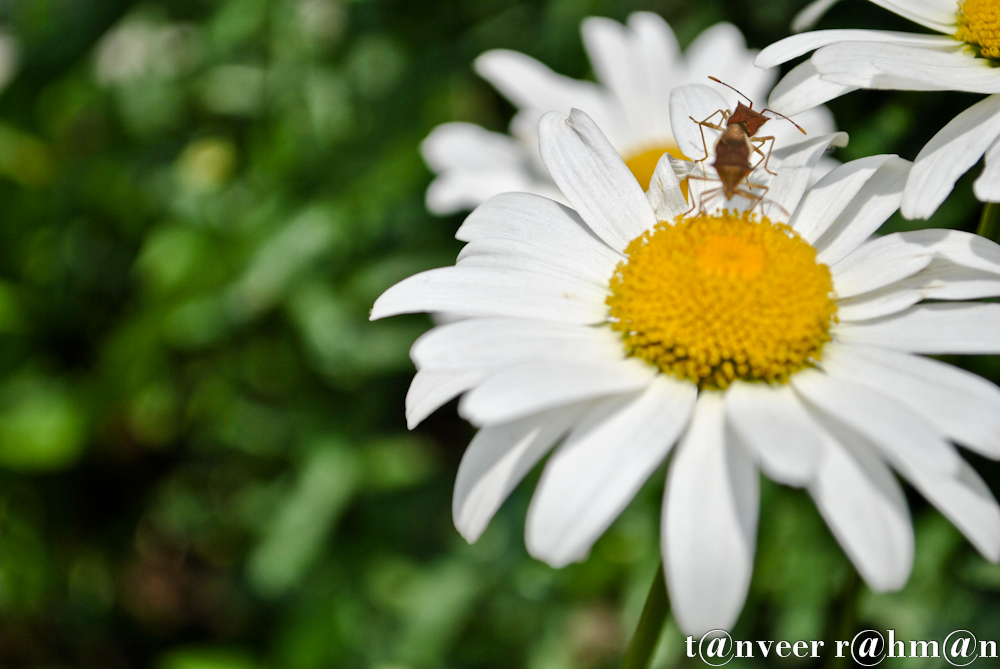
(810, 15)
(883, 260)
(459, 189)
(788, 48)
(987, 186)
(877, 200)
(825, 165)
(525, 256)
(539, 221)
(963, 406)
(933, 329)
(496, 461)
(660, 59)
(773, 424)
(600, 467)
(664, 194)
(878, 303)
(429, 391)
(948, 155)
(964, 500)
(816, 121)
(825, 201)
(682, 168)
(904, 67)
(487, 291)
(525, 389)
(657, 39)
(900, 433)
(612, 51)
(709, 521)
(802, 89)
(697, 102)
(467, 145)
(937, 15)
(593, 177)
(721, 51)
(945, 279)
(704, 190)
(717, 50)
(877, 263)
(797, 162)
(498, 343)
(473, 165)
(530, 84)
(942, 279)
(872, 520)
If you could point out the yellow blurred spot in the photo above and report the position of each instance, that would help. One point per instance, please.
(207, 164)
(643, 164)
(723, 297)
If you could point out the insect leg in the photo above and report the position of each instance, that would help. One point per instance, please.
(764, 198)
(708, 196)
(707, 124)
(693, 202)
(753, 197)
(756, 143)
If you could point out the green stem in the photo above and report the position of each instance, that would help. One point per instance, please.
(647, 634)
(989, 224)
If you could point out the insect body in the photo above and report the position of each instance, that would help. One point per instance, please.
(733, 148)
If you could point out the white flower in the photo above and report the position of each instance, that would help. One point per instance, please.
(141, 45)
(637, 66)
(965, 58)
(626, 325)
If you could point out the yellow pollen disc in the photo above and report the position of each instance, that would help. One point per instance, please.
(723, 297)
(979, 25)
(643, 164)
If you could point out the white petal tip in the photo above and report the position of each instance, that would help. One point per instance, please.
(469, 531)
(379, 310)
(893, 585)
(552, 556)
(913, 212)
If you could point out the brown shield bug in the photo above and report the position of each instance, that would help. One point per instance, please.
(733, 148)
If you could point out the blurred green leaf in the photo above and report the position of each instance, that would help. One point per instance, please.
(42, 426)
(305, 520)
(207, 659)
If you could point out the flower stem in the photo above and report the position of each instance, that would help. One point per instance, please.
(647, 633)
(989, 224)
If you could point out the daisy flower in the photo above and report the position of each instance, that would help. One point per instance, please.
(636, 65)
(781, 338)
(964, 57)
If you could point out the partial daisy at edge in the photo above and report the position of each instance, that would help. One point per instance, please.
(636, 65)
(788, 340)
(963, 56)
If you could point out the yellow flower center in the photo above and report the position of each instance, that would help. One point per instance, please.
(643, 164)
(979, 25)
(721, 297)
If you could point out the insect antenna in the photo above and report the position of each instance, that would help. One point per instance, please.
(728, 86)
(801, 129)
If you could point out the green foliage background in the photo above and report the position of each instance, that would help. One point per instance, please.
(203, 457)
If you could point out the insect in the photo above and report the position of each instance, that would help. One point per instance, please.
(734, 146)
